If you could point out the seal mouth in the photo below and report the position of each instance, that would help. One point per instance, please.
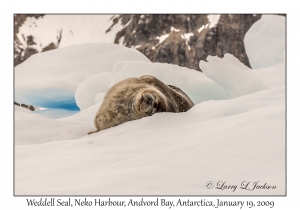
(152, 112)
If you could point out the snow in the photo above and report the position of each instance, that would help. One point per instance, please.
(187, 36)
(76, 29)
(162, 38)
(22, 109)
(43, 33)
(201, 28)
(213, 20)
(235, 131)
(175, 29)
(265, 41)
(121, 40)
(56, 113)
(273, 76)
(50, 79)
(32, 129)
(235, 78)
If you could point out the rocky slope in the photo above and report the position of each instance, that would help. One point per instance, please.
(179, 39)
(186, 39)
(23, 50)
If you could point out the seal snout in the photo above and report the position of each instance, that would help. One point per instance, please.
(146, 103)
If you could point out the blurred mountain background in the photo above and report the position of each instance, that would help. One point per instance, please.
(181, 39)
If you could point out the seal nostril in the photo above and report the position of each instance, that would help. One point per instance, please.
(148, 101)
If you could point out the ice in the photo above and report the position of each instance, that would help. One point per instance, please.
(199, 87)
(50, 79)
(86, 92)
(194, 83)
(265, 41)
(233, 76)
(222, 79)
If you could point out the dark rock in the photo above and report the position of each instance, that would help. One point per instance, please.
(24, 105)
(30, 40)
(226, 37)
(49, 47)
(31, 108)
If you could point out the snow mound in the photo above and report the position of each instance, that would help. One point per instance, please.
(215, 140)
(194, 83)
(265, 41)
(50, 79)
(274, 76)
(35, 129)
(222, 79)
(56, 113)
(22, 109)
(233, 76)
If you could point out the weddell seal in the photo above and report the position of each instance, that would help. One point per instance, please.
(134, 98)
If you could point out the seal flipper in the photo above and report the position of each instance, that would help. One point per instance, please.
(184, 103)
(91, 132)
